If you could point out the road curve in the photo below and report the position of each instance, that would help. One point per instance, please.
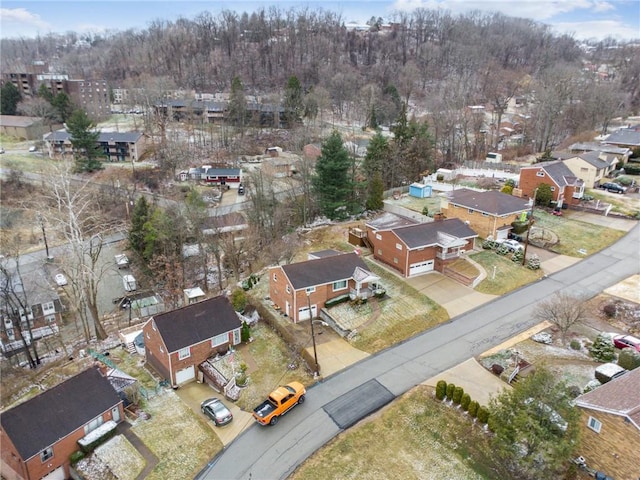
(275, 452)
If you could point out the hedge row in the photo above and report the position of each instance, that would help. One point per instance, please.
(457, 396)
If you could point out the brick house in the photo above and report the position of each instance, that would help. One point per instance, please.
(298, 288)
(610, 424)
(565, 186)
(177, 342)
(231, 177)
(38, 436)
(418, 248)
(488, 213)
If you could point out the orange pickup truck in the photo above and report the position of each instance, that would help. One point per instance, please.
(279, 402)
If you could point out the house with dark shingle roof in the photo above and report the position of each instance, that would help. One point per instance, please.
(115, 146)
(421, 247)
(299, 288)
(38, 436)
(179, 341)
(489, 213)
(565, 186)
(610, 424)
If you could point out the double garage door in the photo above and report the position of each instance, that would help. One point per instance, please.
(421, 267)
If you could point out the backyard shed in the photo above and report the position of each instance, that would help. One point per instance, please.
(419, 190)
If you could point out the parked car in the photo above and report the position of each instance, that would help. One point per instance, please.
(512, 245)
(216, 411)
(32, 148)
(60, 279)
(624, 341)
(612, 187)
(240, 189)
(1, 150)
(129, 283)
(516, 237)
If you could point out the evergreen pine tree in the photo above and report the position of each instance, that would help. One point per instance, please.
(9, 98)
(293, 101)
(139, 217)
(237, 103)
(331, 180)
(85, 142)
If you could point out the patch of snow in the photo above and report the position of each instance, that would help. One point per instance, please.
(542, 337)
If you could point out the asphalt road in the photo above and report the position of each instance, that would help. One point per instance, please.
(350, 395)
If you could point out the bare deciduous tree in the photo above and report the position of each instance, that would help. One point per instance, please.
(563, 310)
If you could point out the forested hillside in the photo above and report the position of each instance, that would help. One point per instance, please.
(433, 60)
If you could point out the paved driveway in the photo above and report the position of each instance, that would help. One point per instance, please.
(453, 296)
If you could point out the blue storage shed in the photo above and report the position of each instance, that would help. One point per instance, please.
(419, 190)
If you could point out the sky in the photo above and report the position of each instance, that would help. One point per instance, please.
(584, 19)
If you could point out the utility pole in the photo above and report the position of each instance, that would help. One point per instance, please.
(526, 243)
(316, 367)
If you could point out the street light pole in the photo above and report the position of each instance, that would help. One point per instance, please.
(313, 338)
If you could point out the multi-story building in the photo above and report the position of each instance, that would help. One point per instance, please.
(116, 146)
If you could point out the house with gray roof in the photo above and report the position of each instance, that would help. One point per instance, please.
(300, 290)
(610, 426)
(38, 436)
(489, 213)
(178, 342)
(625, 137)
(621, 153)
(422, 247)
(565, 186)
(114, 146)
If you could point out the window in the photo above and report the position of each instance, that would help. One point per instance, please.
(395, 259)
(48, 308)
(93, 424)
(540, 174)
(184, 353)
(379, 251)
(46, 454)
(219, 340)
(485, 214)
(275, 277)
(50, 318)
(288, 289)
(310, 290)
(378, 236)
(469, 211)
(398, 246)
(594, 424)
(341, 285)
(553, 189)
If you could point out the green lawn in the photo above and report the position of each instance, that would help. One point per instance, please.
(508, 275)
(415, 437)
(575, 235)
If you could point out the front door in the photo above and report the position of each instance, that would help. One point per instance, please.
(115, 414)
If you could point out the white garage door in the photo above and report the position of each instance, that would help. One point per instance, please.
(421, 267)
(303, 313)
(57, 474)
(185, 375)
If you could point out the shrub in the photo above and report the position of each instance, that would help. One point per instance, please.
(632, 169)
(465, 401)
(602, 349)
(473, 408)
(336, 301)
(502, 250)
(483, 415)
(629, 359)
(238, 300)
(245, 332)
(610, 310)
(517, 256)
(624, 181)
(497, 369)
(575, 345)
(534, 262)
(425, 211)
(489, 245)
(441, 389)
(508, 189)
(457, 395)
(450, 388)
(519, 227)
(76, 456)
(440, 177)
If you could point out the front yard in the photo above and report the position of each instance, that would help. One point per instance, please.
(503, 275)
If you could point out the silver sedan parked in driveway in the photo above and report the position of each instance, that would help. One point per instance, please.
(216, 411)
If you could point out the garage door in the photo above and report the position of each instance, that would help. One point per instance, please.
(57, 474)
(421, 267)
(185, 375)
(303, 313)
